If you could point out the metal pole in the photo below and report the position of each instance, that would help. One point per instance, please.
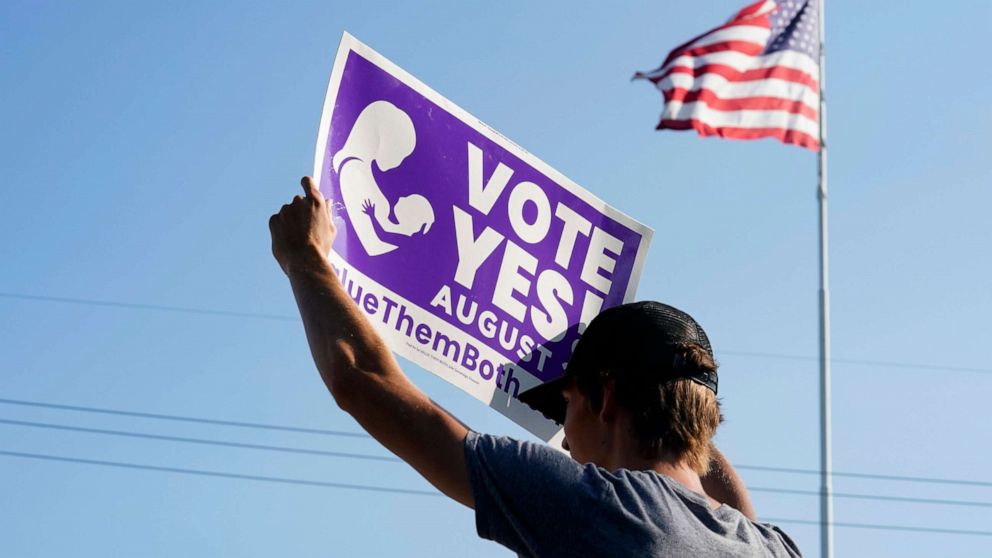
(826, 496)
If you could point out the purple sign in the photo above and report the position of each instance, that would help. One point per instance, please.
(473, 258)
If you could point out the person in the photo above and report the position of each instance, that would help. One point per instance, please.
(637, 401)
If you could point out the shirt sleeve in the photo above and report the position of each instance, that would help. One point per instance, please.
(528, 497)
(775, 534)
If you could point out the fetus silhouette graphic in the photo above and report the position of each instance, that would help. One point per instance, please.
(382, 134)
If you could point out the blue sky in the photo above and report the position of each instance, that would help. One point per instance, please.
(143, 146)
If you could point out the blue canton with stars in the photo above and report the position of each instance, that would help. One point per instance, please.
(795, 26)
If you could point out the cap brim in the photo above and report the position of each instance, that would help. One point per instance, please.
(547, 398)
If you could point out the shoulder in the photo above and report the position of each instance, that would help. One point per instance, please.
(531, 497)
(487, 448)
(505, 461)
(476, 441)
(777, 539)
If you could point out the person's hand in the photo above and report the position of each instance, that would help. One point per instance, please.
(368, 208)
(302, 230)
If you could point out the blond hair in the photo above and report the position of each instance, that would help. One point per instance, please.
(675, 419)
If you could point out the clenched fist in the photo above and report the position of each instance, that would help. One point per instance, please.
(302, 230)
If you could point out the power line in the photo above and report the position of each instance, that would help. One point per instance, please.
(284, 318)
(219, 474)
(202, 441)
(323, 484)
(873, 476)
(157, 307)
(181, 418)
(882, 527)
(874, 497)
(286, 428)
(862, 362)
(322, 453)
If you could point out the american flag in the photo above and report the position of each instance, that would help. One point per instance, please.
(755, 76)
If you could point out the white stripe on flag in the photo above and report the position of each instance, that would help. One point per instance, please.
(740, 118)
(765, 8)
(743, 62)
(746, 33)
(725, 89)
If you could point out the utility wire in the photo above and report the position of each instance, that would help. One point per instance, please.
(181, 418)
(874, 497)
(322, 484)
(322, 453)
(862, 362)
(873, 476)
(157, 307)
(203, 441)
(285, 318)
(285, 428)
(881, 527)
(220, 474)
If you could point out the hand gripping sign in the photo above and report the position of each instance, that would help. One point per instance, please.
(470, 256)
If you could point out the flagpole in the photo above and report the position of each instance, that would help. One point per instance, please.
(826, 472)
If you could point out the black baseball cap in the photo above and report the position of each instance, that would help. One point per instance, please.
(640, 338)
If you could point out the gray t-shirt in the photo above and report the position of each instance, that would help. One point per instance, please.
(539, 502)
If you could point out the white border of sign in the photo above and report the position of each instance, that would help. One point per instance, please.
(484, 391)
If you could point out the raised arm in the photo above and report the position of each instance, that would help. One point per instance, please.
(357, 367)
(724, 485)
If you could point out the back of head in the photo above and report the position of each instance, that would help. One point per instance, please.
(673, 420)
(661, 365)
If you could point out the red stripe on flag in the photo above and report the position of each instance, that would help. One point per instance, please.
(732, 74)
(745, 47)
(713, 101)
(782, 134)
(677, 51)
(750, 10)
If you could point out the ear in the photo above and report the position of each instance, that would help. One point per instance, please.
(608, 410)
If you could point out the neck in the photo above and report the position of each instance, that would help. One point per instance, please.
(682, 474)
(624, 453)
